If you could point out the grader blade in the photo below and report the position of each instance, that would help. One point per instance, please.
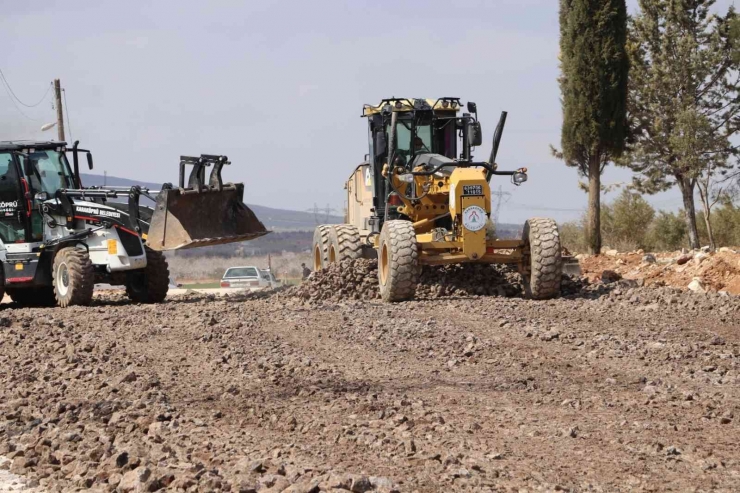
(202, 214)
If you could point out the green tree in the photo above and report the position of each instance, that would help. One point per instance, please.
(683, 101)
(725, 224)
(626, 221)
(593, 82)
(667, 232)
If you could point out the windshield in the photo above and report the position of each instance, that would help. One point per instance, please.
(422, 141)
(51, 171)
(241, 272)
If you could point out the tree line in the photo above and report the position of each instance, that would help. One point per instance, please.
(630, 223)
(656, 92)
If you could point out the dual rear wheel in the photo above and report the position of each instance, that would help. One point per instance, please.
(398, 263)
(335, 243)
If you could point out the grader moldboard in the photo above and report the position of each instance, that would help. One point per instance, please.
(58, 239)
(415, 201)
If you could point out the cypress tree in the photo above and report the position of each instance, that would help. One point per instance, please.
(593, 84)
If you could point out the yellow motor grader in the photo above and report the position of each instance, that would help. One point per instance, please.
(420, 199)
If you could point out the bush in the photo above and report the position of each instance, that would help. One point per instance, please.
(668, 231)
(572, 236)
(725, 225)
(626, 221)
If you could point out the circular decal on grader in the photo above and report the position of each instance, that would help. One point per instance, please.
(474, 218)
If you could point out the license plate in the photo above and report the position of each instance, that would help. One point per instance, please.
(472, 189)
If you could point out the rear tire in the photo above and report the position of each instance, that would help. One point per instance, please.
(73, 277)
(344, 243)
(43, 296)
(543, 264)
(398, 261)
(150, 284)
(321, 241)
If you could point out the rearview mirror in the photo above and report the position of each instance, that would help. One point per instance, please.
(475, 134)
(41, 197)
(472, 107)
(89, 160)
(380, 143)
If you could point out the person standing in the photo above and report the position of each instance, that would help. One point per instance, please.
(306, 271)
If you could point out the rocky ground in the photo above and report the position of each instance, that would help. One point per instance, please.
(612, 387)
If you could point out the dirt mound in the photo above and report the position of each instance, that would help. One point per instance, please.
(358, 280)
(708, 271)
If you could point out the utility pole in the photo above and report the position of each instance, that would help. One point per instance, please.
(499, 194)
(60, 113)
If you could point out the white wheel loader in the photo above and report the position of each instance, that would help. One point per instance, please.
(58, 239)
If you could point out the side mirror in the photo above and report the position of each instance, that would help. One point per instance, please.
(472, 107)
(89, 160)
(379, 143)
(475, 134)
(41, 197)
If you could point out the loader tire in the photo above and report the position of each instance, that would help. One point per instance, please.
(321, 242)
(344, 243)
(398, 261)
(543, 265)
(33, 297)
(150, 284)
(73, 277)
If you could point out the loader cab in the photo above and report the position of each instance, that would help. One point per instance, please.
(30, 172)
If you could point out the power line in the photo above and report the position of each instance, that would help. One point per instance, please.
(10, 90)
(66, 109)
(12, 100)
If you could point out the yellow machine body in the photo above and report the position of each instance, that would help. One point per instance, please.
(453, 193)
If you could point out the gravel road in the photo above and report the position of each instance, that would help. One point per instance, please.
(611, 388)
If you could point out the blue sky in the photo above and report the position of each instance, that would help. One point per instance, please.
(278, 86)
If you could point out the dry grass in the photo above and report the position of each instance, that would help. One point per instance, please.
(284, 266)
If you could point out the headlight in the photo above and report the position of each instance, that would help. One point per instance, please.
(519, 178)
(408, 178)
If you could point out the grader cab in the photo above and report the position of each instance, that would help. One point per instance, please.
(420, 199)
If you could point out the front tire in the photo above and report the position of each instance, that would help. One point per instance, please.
(150, 284)
(74, 277)
(543, 264)
(398, 261)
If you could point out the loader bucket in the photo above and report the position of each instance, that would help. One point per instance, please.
(189, 218)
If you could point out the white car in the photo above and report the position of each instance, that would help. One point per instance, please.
(246, 277)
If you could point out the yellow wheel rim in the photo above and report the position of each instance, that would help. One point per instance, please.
(384, 262)
(317, 258)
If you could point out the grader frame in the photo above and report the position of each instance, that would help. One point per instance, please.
(415, 201)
